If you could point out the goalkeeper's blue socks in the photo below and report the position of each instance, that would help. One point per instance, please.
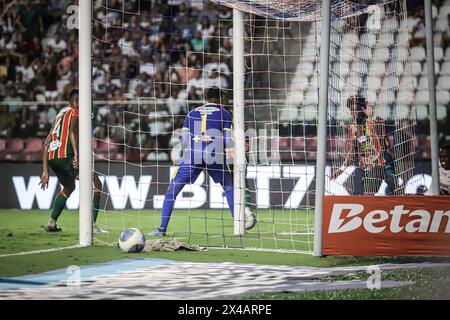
(229, 194)
(169, 201)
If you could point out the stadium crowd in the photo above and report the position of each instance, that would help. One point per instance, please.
(134, 56)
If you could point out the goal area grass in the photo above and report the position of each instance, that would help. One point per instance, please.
(20, 231)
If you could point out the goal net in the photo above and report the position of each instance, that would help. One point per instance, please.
(153, 61)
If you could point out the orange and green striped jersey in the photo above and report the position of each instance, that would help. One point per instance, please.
(60, 146)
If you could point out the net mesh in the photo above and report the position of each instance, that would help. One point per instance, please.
(152, 64)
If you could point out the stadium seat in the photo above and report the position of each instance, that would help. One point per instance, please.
(412, 23)
(423, 83)
(405, 96)
(381, 54)
(407, 81)
(390, 82)
(307, 68)
(118, 156)
(364, 53)
(311, 143)
(60, 84)
(436, 68)
(438, 54)
(298, 143)
(359, 67)
(401, 111)
(447, 54)
(416, 68)
(311, 97)
(403, 52)
(386, 39)
(444, 11)
(343, 114)
(309, 113)
(443, 97)
(395, 68)
(441, 111)
(106, 145)
(368, 39)
(422, 97)
(346, 55)
(445, 68)
(418, 53)
(382, 112)
(441, 24)
(443, 82)
(373, 83)
(422, 112)
(14, 145)
(288, 113)
(33, 145)
(377, 69)
(309, 54)
(13, 149)
(283, 143)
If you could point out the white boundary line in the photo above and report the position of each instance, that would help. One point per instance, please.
(261, 250)
(38, 251)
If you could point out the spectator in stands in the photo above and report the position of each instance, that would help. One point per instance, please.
(7, 122)
(126, 44)
(215, 79)
(186, 28)
(3, 85)
(14, 103)
(185, 71)
(446, 34)
(20, 85)
(8, 19)
(198, 43)
(26, 69)
(419, 31)
(50, 75)
(28, 21)
(57, 44)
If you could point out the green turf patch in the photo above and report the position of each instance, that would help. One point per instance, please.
(433, 283)
(20, 231)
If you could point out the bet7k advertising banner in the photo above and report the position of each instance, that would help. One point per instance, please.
(386, 226)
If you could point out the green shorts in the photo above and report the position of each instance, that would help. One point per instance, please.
(64, 170)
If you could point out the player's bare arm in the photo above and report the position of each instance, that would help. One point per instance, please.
(74, 140)
(44, 177)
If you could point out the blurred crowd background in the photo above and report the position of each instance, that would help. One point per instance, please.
(135, 58)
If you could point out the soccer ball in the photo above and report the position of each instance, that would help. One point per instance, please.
(250, 219)
(132, 240)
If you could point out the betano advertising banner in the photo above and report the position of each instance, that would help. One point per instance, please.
(132, 186)
(386, 226)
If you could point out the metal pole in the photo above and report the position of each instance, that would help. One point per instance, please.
(432, 97)
(238, 122)
(85, 129)
(322, 124)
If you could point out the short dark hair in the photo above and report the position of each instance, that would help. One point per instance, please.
(358, 101)
(213, 94)
(72, 93)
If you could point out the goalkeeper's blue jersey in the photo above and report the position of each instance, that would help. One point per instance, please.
(206, 134)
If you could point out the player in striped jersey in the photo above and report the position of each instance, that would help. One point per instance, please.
(444, 169)
(60, 152)
(369, 150)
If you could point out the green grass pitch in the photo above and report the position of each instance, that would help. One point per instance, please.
(20, 231)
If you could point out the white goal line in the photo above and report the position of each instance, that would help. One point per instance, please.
(24, 253)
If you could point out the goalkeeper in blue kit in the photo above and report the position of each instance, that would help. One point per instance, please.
(206, 139)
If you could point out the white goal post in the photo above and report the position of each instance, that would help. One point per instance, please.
(291, 230)
(85, 126)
